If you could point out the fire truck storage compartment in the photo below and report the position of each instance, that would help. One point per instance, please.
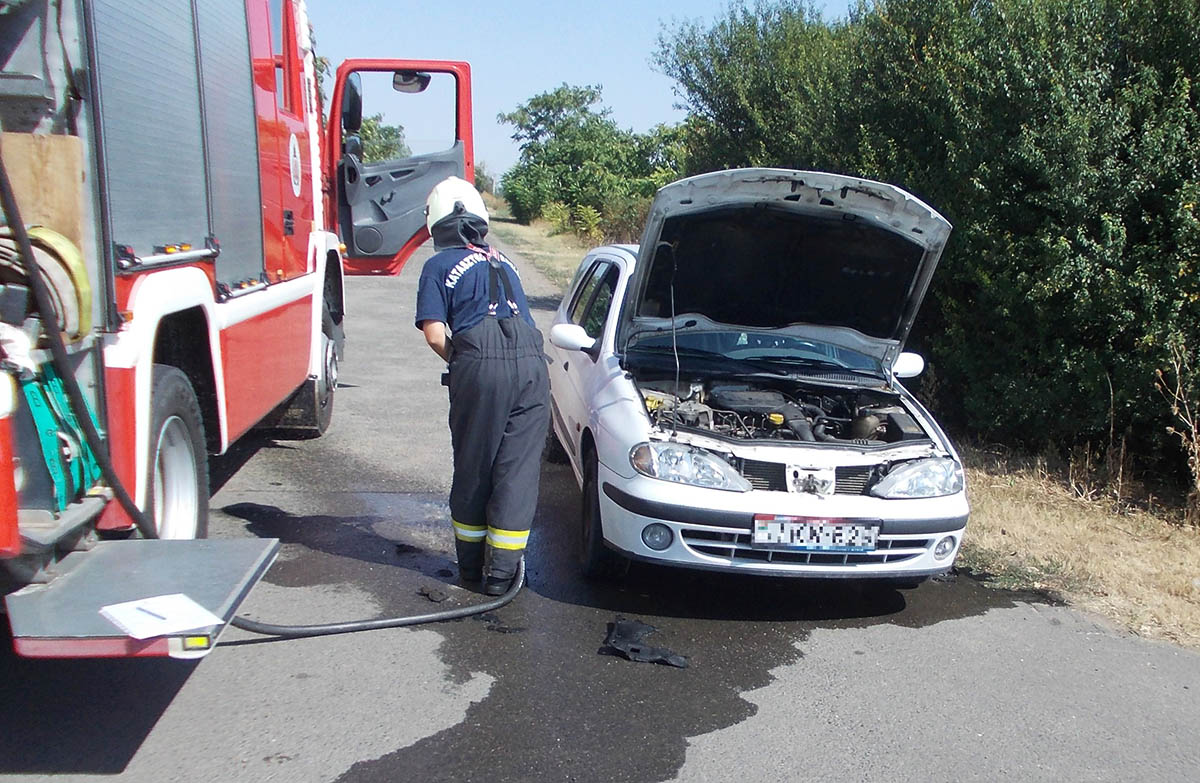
(180, 164)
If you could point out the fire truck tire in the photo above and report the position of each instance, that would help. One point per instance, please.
(309, 411)
(178, 469)
(327, 382)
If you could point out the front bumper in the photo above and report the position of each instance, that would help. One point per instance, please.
(711, 529)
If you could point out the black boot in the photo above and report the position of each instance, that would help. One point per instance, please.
(497, 585)
(470, 560)
(502, 567)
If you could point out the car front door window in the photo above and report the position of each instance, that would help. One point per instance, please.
(597, 312)
(584, 298)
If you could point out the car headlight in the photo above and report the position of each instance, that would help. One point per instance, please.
(686, 465)
(922, 478)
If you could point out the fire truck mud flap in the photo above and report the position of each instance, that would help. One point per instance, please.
(61, 618)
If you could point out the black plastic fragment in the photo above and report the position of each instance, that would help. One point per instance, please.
(625, 638)
(433, 594)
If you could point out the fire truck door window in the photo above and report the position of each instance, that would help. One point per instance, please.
(283, 48)
(284, 150)
(405, 146)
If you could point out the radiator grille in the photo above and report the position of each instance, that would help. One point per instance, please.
(853, 480)
(765, 475)
(850, 480)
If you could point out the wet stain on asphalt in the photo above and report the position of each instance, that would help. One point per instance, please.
(407, 532)
(560, 710)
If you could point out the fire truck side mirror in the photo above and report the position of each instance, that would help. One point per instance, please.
(410, 81)
(352, 103)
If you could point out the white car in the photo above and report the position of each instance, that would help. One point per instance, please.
(728, 394)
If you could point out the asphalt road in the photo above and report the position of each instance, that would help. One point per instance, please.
(788, 680)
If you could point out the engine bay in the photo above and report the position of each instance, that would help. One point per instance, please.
(787, 411)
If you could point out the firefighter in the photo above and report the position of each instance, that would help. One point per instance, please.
(499, 387)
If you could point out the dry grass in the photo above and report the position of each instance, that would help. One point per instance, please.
(1029, 529)
(557, 257)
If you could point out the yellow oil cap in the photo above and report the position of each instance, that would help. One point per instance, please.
(775, 418)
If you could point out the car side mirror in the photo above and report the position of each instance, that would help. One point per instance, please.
(571, 337)
(908, 365)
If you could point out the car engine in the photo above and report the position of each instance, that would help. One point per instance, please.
(816, 414)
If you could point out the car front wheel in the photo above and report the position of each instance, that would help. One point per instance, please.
(595, 559)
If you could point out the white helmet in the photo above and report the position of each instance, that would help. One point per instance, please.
(453, 196)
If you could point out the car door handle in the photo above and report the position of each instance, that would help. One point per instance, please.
(566, 366)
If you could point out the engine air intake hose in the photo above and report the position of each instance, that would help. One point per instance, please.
(797, 422)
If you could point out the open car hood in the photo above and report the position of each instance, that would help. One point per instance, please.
(843, 259)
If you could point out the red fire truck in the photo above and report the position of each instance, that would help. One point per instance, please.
(191, 216)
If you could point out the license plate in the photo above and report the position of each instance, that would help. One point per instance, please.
(813, 534)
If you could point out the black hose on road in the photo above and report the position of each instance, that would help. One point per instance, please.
(299, 631)
(145, 525)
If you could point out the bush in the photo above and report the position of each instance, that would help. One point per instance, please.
(484, 181)
(527, 189)
(1062, 139)
(587, 223)
(558, 215)
(1180, 386)
(625, 218)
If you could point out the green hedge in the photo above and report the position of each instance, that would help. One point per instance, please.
(1061, 138)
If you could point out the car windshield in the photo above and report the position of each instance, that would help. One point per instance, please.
(767, 348)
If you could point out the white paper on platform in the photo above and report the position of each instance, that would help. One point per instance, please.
(159, 615)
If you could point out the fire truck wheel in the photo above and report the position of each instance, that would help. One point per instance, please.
(178, 459)
(327, 383)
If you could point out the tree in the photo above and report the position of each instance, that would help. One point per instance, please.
(574, 153)
(545, 114)
(382, 141)
(484, 181)
(1060, 137)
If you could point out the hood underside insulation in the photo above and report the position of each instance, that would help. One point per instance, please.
(767, 266)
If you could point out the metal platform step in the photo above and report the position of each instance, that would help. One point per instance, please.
(41, 530)
(61, 619)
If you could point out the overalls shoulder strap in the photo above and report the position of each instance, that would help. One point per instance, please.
(498, 277)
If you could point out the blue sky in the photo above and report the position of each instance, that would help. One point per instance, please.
(517, 49)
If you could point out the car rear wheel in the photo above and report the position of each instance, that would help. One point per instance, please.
(595, 559)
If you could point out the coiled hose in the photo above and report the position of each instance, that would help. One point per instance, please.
(145, 525)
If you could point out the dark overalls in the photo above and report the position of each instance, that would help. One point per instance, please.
(499, 411)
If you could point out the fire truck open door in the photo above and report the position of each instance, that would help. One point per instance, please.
(378, 208)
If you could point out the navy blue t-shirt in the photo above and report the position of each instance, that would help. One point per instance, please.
(454, 288)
